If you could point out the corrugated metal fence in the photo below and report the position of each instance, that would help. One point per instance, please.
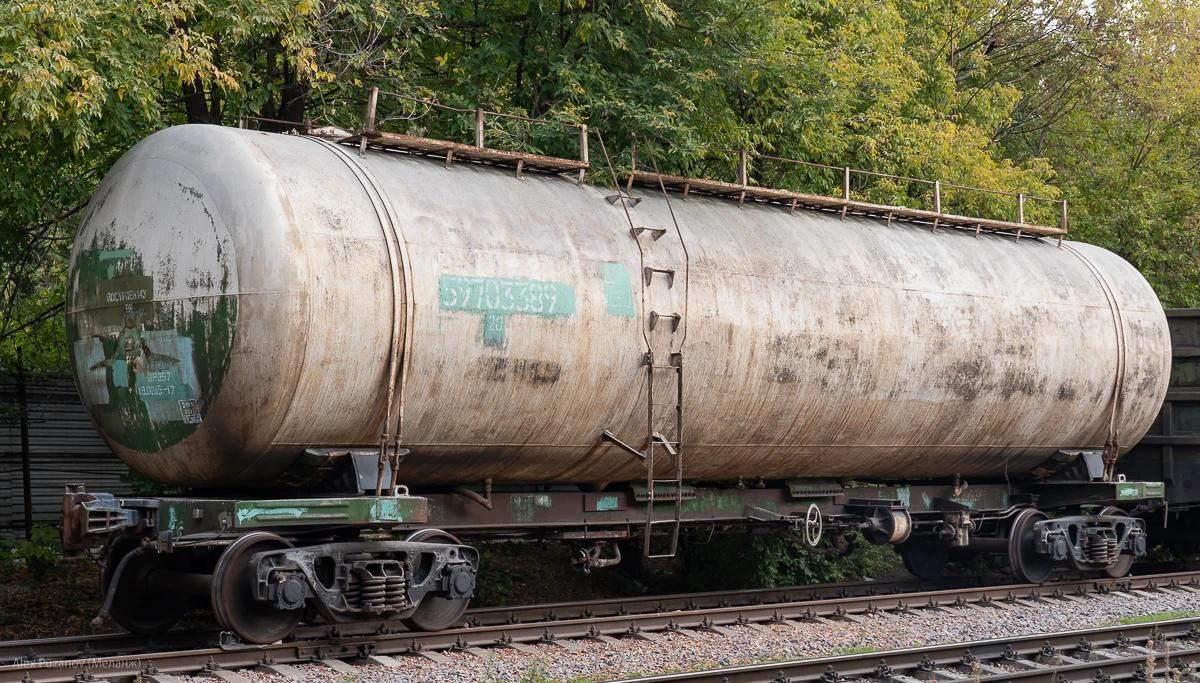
(64, 448)
(1171, 451)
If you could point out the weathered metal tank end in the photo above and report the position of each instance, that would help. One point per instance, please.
(153, 306)
(236, 297)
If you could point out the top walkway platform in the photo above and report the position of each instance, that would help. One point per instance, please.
(741, 190)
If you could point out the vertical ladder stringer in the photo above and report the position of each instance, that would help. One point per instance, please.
(672, 445)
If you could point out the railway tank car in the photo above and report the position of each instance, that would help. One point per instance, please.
(348, 355)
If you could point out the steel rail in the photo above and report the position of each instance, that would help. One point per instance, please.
(337, 642)
(107, 644)
(485, 616)
(1138, 651)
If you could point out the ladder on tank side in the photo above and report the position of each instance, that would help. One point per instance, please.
(664, 307)
(672, 445)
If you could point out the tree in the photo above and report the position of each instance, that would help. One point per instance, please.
(1035, 96)
(81, 81)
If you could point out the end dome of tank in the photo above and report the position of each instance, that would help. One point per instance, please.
(155, 300)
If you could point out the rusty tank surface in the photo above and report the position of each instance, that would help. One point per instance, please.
(236, 297)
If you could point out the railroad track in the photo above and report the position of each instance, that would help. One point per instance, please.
(1164, 650)
(381, 646)
(112, 644)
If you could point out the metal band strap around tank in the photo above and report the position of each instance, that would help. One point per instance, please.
(401, 335)
(1112, 445)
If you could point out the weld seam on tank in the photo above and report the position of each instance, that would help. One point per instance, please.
(1118, 389)
(401, 325)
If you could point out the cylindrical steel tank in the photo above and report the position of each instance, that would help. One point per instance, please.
(236, 296)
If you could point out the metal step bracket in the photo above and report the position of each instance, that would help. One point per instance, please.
(675, 318)
(655, 233)
(649, 271)
(608, 436)
(630, 200)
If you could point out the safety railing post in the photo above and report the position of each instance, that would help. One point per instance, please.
(1021, 207)
(632, 161)
(743, 174)
(479, 127)
(937, 196)
(583, 150)
(1062, 221)
(846, 183)
(369, 124)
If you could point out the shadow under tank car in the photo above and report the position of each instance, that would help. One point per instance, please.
(348, 356)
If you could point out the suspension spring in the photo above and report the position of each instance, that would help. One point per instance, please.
(373, 590)
(1101, 547)
(354, 591)
(397, 592)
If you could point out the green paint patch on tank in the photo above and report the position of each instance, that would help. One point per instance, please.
(706, 502)
(618, 294)
(608, 503)
(524, 507)
(1139, 490)
(148, 366)
(182, 516)
(498, 298)
(249, 514)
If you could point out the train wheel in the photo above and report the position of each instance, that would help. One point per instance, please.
(233, 601)
(436, 613)
(134, 606)
(924, 560)
(1125, 562)
(1026, 563)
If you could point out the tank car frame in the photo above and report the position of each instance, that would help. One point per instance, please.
(265, 564)
(314, 537)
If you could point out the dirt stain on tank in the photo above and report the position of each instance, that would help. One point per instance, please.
(1020, 382)
(965, 378)
(528, 371)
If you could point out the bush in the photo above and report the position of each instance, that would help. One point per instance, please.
(734, 561)
(37, 555)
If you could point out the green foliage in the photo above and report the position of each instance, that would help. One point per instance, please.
(525, 573)
(1123, 129)
(853, 650)
(38, 554)
(1157, 616)
(537, 674)
(761, 561)
(1097, 102)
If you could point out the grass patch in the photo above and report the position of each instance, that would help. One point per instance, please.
(1157, 616)
(856, 650)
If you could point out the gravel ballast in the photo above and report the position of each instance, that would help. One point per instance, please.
(589, 660)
